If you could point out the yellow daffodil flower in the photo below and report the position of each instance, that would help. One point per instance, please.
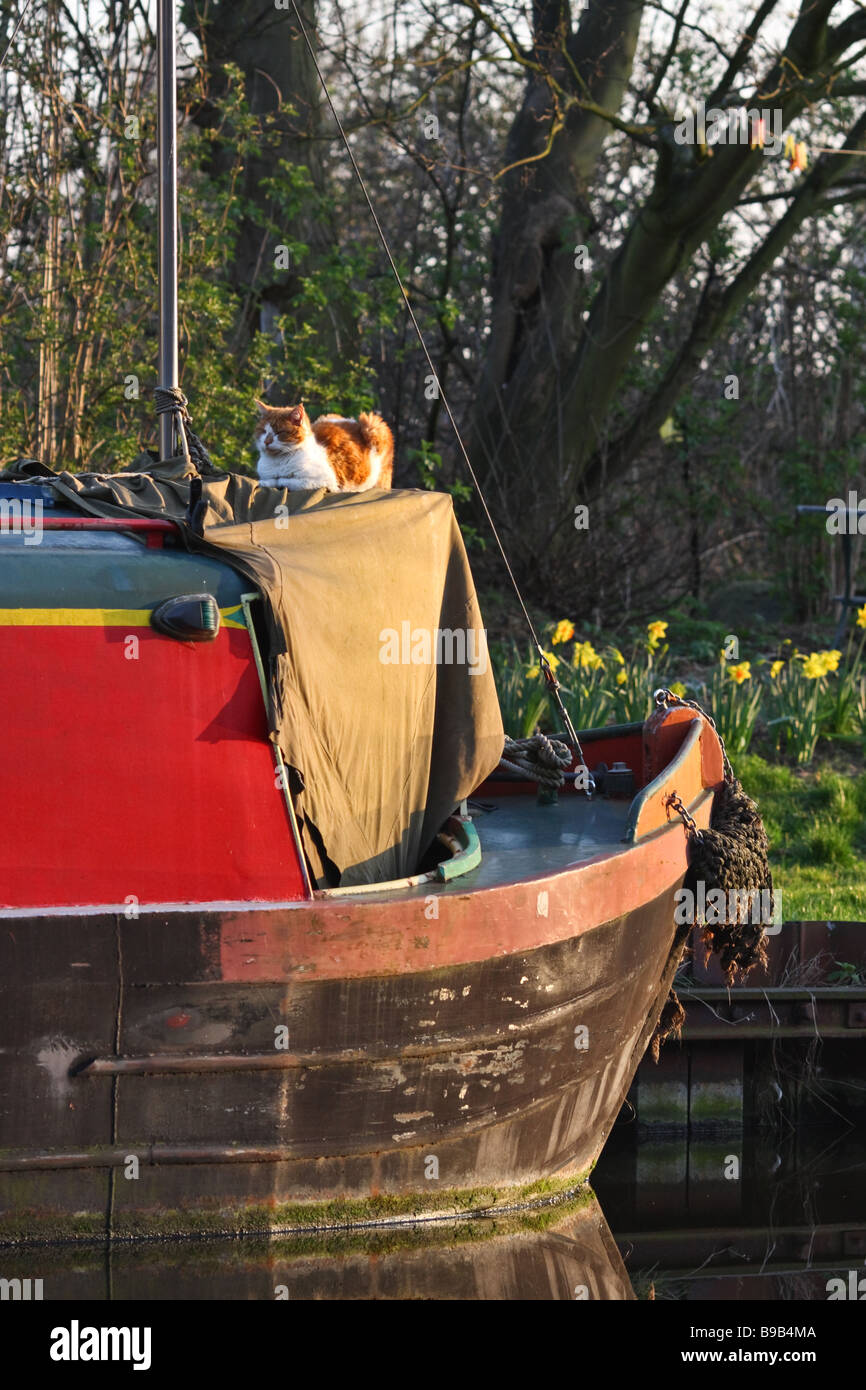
(831, 661)
(861, 616)
(775, 668)
(741, 672)
(586, 658)
(678, 689)
(813, 666)
(621, 677)
(563, 632)
(656, 632)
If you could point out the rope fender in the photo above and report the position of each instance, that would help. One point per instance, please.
(731, 856)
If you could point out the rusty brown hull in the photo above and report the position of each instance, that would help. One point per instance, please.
(474, 1067)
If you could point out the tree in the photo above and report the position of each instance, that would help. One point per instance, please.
(548, 429)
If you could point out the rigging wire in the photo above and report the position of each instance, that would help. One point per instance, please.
(544, 664)
(18, 23)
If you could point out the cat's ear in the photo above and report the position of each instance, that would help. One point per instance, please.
(297, 415)
(263, 406)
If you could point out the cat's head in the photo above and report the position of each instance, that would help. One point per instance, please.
(280, 427)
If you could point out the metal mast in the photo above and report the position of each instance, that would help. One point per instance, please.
(167, 165)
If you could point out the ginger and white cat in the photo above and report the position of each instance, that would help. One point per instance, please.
(342, 455)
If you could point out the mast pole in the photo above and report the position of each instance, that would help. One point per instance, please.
(167, 167)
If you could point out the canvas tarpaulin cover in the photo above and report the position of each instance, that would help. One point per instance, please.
(382, 696)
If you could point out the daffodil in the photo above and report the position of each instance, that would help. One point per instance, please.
(861, 616)
(831, 661)
(741, 672)
(775, 668)
(563, 632)
(656, 632)
(678, 689)
(586, 658)
(813, 666)
(621, 677)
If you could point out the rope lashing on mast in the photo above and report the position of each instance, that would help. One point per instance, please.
(550, 679)
(539, 758)
(170, 399)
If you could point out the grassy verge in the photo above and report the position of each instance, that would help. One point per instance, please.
(816, 821)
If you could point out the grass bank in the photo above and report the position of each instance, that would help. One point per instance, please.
(816, 820)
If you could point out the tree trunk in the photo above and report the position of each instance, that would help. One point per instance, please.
(556, 361)
(280, 81)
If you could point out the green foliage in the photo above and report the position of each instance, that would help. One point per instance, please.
(816, 823)
(734, 700)
(523, 702)
(596, 688)
(102, 328)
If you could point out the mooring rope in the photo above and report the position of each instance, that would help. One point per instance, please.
(539, 759)
(544, 665)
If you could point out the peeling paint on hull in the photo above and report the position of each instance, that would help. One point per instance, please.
(494, 1108)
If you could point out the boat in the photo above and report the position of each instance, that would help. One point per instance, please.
(181, 1002)
(282, 945)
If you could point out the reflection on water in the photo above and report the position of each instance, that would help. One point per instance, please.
(561, 1252)
(727, 1218)
(704, 1218)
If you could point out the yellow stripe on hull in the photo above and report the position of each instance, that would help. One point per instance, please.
(94, 617)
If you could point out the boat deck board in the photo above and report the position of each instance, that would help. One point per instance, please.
(522, 840)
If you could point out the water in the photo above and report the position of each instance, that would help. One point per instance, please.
(721, 1219)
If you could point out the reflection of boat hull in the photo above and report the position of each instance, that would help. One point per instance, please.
(792, 1219)
(564, 1252)
(352, 1058)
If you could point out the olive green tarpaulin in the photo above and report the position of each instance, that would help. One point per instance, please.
(382, 695)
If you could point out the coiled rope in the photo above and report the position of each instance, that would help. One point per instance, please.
(539, 758)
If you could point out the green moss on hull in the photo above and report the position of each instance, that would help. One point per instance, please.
(328, 1243)
(337, 1216)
